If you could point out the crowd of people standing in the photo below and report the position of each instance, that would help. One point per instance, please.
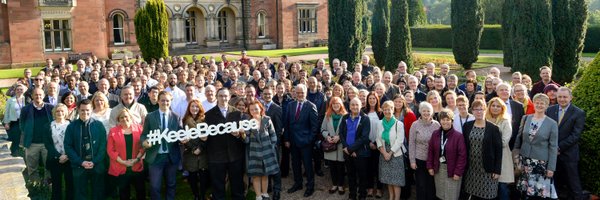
(448, 137)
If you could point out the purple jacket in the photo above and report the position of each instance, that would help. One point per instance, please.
(456, 153)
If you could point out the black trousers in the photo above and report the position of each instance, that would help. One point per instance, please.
(275, 179)
(137, 179)
(373, 180)
(14, 135)
(59, 171)
(302, 156)
(199, 178)
(317, 158)
(338, 169)
(235, 173)
(424, 182)
(567, 174)
(284, 165)
(357, 169)
(409, 179)
(88, 178)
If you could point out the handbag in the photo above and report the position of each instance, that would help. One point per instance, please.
(327, 146)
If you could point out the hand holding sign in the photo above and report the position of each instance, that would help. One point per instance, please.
(201, 130)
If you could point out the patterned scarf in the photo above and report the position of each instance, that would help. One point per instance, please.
(387, 126)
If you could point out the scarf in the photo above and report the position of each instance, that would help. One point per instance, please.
(387, 126)
(335, 118)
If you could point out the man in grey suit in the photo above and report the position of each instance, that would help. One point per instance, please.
(274, 112)
(162, 159)
(571, 121)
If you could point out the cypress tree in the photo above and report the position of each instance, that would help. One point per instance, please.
(533, 41)
(152, 29)
(569, 18)
(467, 26)
(416, 14)
(346, 36)
(380, 31)
(399, 48)
(508, 31)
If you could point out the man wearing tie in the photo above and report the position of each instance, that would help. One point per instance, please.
(226, 152)
(300, 132)
(275, 113)
(162, 159)
(570, 121)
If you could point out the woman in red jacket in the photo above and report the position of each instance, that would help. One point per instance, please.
(125, 153)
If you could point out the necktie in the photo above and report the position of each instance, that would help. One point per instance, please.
(298, 110)
(561, 114)
(163, 145)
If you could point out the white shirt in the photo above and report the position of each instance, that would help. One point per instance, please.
(104, 119)
(180, 107)
(58, 135)
(176, 92)
(508, 109)
(459, 121)
(208, 105)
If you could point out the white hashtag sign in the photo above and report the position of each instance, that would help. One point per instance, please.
(201, 130)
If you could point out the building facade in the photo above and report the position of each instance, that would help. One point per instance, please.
(33, 30)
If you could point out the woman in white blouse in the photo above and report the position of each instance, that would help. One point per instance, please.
(101, 110)
(58, 163)
(11, 117)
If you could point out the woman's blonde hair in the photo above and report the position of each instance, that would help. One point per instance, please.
(59, 106)
(100, 95)
(503, 113)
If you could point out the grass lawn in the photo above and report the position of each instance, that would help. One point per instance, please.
(481, 51)
(16, 73)
(279, 52)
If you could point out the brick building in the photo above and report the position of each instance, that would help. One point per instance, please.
(33, 30)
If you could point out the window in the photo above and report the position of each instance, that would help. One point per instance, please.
(222, 26)
(57, 35)
(307, 20)
(190, 28)
(118, 36)
(261, 25)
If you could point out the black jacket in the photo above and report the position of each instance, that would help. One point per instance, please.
(491, 147)
(224, 148)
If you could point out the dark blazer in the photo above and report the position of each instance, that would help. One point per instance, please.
(569, 131)
(153, 122)
(224, 148)
(113, 100)
(361, 141)
(517, 113)
(301, 132)
(73, 143)
(455, 150)
(275, 113)
(27, 121)
(492, 146)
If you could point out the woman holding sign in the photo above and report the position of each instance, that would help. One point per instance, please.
(194, 156)
(262, 158)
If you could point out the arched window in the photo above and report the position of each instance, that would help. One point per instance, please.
(190, 27)
(118, 33)
(222, 25)
(261, 24)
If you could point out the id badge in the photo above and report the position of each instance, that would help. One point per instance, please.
(442, 159)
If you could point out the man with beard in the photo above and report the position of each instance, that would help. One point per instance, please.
(173, 89)
(138, 111)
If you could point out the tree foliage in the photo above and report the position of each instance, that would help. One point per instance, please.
(416, 13)
(152, 29)
(399, 48)
(347, 38)
(467, 26)
(508, 30)
(533, 44)
(586, 95)
(569, 19)
(380, 27)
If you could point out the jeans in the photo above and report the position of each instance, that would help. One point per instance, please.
(503, 191)
(162, 166)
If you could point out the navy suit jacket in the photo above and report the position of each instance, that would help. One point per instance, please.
(517, 113)
(569, 131)
(301, 132)
(275, 113)
(153, 122)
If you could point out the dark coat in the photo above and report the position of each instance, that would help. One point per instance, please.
(224, 148)
(492, 146)
(301, 132)
(275, 113)
(517, 114)
(361, 141)
(153, 122)
(569, 131)
(73, 142)
(27, 121)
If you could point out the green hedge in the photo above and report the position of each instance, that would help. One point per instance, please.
(440, 36)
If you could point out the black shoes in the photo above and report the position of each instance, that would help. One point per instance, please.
(309, 192)
(294, 189)
(319, 173)
(276, 196)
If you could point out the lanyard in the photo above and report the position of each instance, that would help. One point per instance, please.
(443, 142)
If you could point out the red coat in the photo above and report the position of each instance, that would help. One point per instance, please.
(530, 109)
(116, 148)
(409, 119)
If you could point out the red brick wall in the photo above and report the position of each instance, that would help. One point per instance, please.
(89, 28)
(289, 24)
(126, 8)
(4, 36)
(268, 7)
(24, 25)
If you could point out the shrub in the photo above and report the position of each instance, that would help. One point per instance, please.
(3, 99)
(569, 35)
(380, 30)
(440, 36)
(152, 29)
(586, 95)
(346, 26)
(592, 39)
(467, 26)
(399, 48)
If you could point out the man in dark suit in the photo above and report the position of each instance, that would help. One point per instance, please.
(514, 109)
(85, 146)
(571, 121)
(301, 127)
(226, 152)
(275, 113)
(162, 159)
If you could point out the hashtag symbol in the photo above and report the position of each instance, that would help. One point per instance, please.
(154, 137)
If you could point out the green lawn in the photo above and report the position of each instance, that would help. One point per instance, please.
(16, 73)
(481, 51)
(279, 52)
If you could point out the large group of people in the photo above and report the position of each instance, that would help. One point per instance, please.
(377, 131)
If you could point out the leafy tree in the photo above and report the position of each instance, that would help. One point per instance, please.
(152, 29)
(416, 13)
(467, 26)
(493, 11)
(533, 41)
(569, 19)
(439, 12)
(380, 30)
(346, 26)
(508, 31)
(399, 48)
